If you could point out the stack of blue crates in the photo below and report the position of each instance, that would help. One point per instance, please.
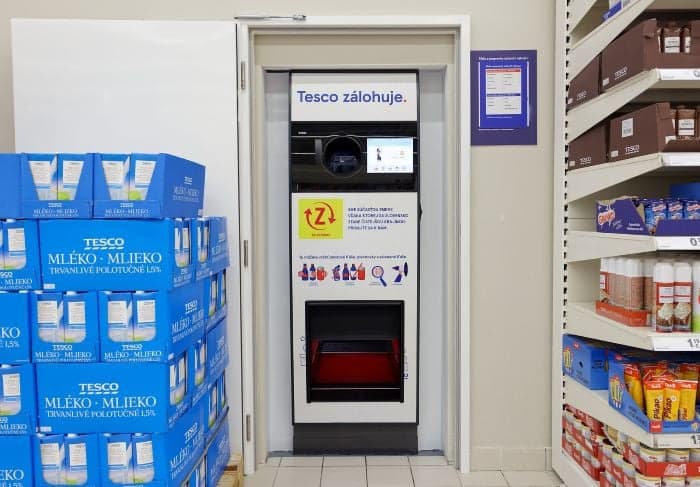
(113, 347)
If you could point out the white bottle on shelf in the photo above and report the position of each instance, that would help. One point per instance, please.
(662, 314)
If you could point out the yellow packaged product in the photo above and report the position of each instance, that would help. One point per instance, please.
(689, 391)
(672, 400)
(689, 372)
(654, 398)
(633, 381)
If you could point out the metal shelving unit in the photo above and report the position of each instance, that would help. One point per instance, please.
(581, 35)
(655, 83)
(585, 49)
(586, 181)
(596, 404)
(582, 320)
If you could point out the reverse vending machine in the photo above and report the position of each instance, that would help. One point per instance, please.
(355, 213)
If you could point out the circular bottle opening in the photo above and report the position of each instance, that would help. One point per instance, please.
(342, 156)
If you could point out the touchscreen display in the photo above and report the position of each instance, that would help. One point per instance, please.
(387, 155)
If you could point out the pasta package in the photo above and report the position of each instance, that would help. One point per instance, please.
(672, 400)
(689, 372)
(654, 398)
(633, 381)
(686, 408)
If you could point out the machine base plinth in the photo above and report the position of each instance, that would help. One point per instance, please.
(356, 438)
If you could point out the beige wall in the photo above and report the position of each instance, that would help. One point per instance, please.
(511, 205)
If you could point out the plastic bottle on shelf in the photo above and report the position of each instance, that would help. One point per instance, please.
(625, 280)
(672, 38)
(604, 279)
(612, 278)
(686, 39)
(682, 292)
(635, 273)
(696, 298)
(662, 314)
(649, 283)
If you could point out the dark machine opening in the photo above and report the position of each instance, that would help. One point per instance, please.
(354, 351)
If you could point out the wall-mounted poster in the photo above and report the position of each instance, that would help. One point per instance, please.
(504, 97)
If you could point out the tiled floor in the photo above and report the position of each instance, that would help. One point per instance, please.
(385, 471)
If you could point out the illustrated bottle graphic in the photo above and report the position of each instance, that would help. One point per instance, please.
(76, 460)
(52, 457)
(75, 319)
(346, 273)
(143, 458)
(361, 272)
(336, 273)
(312, 273)
(353, 272)
(120, 459)
(304, 273)
(11, 398)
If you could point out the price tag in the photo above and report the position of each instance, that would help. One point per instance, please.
(695, 439)
(678, 243)
(679, 74)
(677, 343)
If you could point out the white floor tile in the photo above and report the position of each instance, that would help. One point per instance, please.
(483, 479)
(263, 477)
(530, 479)
(387, 460)
(343, 461)
(298, 477)
(273, 461)
(344, 477)
(435, 476)
(301, 462)
(427, 460)
(389, 477)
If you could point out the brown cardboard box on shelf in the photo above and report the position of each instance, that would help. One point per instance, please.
(646, 131)
(637, 50)
(590, 148)
(585, 85)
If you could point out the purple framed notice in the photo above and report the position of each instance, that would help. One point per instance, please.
(504, 97)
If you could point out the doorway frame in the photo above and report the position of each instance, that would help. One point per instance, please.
(401, 24)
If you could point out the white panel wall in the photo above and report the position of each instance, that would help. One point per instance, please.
(511, 205)
(115, 86)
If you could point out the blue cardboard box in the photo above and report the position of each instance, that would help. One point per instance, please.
(219, 453)
(10, 189)
(16, 465)
(216, 403)
(65, 327)
(17, 400)
(56, 185)
(217, 351)
(158, 459)
(147, 186)
(197, 368)
(198, 477)
(210, 243)
(215, 305)
(621, 400)
(585, 361)
(150, 326)
(218, 244)
(19, 248)
(15, 337)
(71, 459)
(119, 255)
(119, 398)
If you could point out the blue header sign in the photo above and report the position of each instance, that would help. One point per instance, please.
(504, 97)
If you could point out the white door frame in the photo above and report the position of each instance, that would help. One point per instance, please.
(245, 48)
